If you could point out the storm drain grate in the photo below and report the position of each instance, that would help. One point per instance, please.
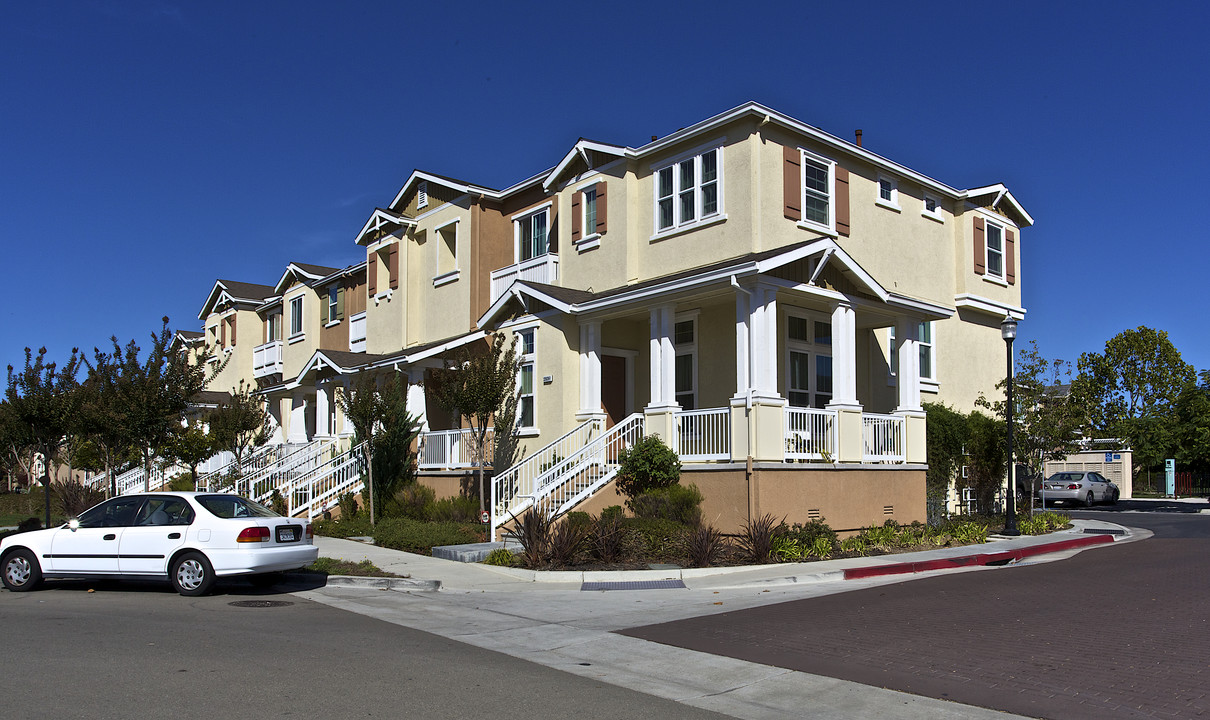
(634, 585)
(260, 603)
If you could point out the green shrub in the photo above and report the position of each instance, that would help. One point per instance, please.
(855, 545)
(756, 538)
(607, 538)
(579, 518)
(885, 536)
(788, 549)
(410, 535)
(347, 503)
(182, 483)
(821, 548)
(278, 503)
(705, 545)
(500, 557)
(453, 509)
(344, 527)
(807, 533)
(613, 510)
(415, 501)
(675, 502)
(646, 465)
(655, 536)
(533, 531)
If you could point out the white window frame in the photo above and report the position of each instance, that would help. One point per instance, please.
(529, 215)
(333, 301)
(442, 278)
(806, 158)
(987, 249)
(695, 193)
(686, 349)
(935, 213)
(891, 203)
(296, 335)
(927, 382)
(588, 240)
(813, 351)
(527, 360)
(274, 320)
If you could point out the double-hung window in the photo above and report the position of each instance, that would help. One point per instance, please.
(809, 362)
(688, 191)
(590, 211)
(525, 380)
(333, 304)
(296, 316)
(684, 342)
(531, 235)
(928, 358)
(995, 250)
(274, 329)
(818, 189)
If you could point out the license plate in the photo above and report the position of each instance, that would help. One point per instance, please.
(286, 534)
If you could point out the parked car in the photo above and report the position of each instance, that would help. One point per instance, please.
(186, 538)
(1079, 487)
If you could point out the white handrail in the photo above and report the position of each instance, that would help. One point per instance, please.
(520, 478)
(453, 448)
(882, 438)
(703, 435)
(810, 434)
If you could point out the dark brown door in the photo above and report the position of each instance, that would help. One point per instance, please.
(613, 388)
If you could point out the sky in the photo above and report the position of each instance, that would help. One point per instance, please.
(148, 148)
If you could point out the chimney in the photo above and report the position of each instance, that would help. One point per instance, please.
(859, 137)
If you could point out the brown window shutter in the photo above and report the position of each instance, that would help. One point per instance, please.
(323, 307)
(1010, 257)
(792, 182)
(233, 319)
(577, 219)
(601, 209)
(222, 333)
(340, 303)
(980, 248)
(842, 201)
(393, 265)
(372, 274)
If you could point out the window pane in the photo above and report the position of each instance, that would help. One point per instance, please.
(684, 373)
(815, 209)
(539, 234)
(994, 264)
(665, 182)
(666, 213)
(823, 333)
(688, 176)
(527, 412)
(797, 328)
(930, 204)
(527, 379)
(816, 177)
(823, 374)
(686, 401)
(590, 211)
(709, 166)
(885, 189)
(800, 399)
(709, 199)
(993, 237)
(800, 371)
(527, 239)
(682, 332)
(687, 206)
(926, 361)
(527, 342)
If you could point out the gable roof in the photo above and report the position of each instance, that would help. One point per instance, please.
(380, 220)
(235, 292)
(305, 273)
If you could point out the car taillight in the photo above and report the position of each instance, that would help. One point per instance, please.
(310, 531)
(1073, 486)
(253, 534)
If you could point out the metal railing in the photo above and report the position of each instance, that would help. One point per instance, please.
(453, 449)
(882, 438)
(520, 478)
(703, 435)
(570, 480)
(260, 458)
(543, 269)
(810, 434)
(319, 487)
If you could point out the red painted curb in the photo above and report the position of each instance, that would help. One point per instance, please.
(976, 559)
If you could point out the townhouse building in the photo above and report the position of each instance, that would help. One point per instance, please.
(774, 301)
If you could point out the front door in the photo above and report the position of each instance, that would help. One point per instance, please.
(613, 389)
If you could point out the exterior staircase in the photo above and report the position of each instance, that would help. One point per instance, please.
(560, 476)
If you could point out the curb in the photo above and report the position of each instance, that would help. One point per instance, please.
(977, 559)
(384, 583)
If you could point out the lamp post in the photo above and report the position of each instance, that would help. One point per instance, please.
(1008, 331)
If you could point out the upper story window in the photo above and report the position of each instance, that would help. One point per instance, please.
(688, 191)
(817, 188)
(531, 234)
(995, 250)
(932, 208)
(273, 327)
(332, 310)
(888, 192)
(525, 380)
(296, 316)
(447, 253)
(590, 210)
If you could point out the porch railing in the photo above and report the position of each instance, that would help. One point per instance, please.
(266, 359)
(810, 434)
(357, 332)
(543, 269)
(520, 479)
(703, 435)
(452, 448)
(882, 438)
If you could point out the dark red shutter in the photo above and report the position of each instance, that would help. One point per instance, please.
(577, 220)
(792, 182)
(602, 208)
(222, 332)
(842, 201)
(393, 265)
(980, 248)
(233, 319)
(1010, 257)
(372, 274)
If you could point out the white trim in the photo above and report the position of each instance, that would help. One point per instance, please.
(989, 278)
(699, 219)
(422, 194)
(447, 278)
(332, 323)
(296, 338)
(817, 228)
(588, 242)
(893, 203)
(674, 231)
(979, 303)
(1002, 276)
(533, 211)
(935, 214)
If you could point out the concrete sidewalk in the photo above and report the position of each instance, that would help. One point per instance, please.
(429, 573)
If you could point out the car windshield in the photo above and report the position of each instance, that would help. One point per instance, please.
(233, 506)
(1066, 477)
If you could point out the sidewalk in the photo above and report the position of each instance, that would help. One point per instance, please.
(429, 573)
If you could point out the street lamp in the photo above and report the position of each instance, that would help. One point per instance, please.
(1008, 331)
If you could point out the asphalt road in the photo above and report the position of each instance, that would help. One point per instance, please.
(141, 651)
(1113, 632)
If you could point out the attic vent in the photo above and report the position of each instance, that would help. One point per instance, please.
(422, 194)
(888, 509)
(813, 514)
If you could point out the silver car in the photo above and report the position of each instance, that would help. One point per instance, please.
(1079, 487)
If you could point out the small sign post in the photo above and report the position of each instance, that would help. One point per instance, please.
(1170, 477)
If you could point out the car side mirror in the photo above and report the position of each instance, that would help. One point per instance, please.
(74, 523)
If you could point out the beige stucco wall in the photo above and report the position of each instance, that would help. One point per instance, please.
(238, 355)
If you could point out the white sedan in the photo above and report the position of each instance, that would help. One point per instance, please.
(187, 538)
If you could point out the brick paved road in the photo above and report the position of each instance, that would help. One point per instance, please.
(1119, 632)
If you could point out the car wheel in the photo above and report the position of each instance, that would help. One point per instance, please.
(191, 574)
(21, 571)
(1088, 500)
(1113, 499)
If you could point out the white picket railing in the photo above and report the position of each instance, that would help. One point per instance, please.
(520, 478)
(452, 449)
(570, 480)
(318, 488)
(542, 269)
(703, 435)
(810, 434)
(259, 459)
(267, 359)
(291, 461)
(882, 438)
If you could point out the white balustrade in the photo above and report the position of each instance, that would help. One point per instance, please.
(810, 434)
(703, 435)
(453, 449)
(542, 269)
(266, 359)
(357, 332)
(882, 438)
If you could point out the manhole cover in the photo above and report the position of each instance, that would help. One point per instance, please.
(260, 603)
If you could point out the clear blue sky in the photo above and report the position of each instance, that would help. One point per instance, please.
(148, 148)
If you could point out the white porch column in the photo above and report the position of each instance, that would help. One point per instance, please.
(757, 410)
(763, 343)
(297, 431)
(590, 371)
(850, 445)
(323, 405)
(907, 375)
(343, 426)
(417, 404)
(661, 411)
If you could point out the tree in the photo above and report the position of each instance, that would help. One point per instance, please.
(381, 422)
(1130, 391)
(945, 442)
(1193, 425)
(100, 414)
(42, 400)
(1046, 418)
(476, 386)
(190, 446)
(16, 448)
(154, 393)
(986, 453)
(238, 425)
